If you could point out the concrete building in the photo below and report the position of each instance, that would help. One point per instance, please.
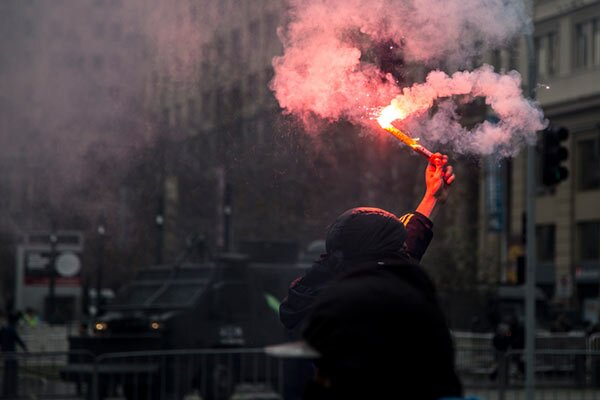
(222, 104)
(567, 40)
(69, 73)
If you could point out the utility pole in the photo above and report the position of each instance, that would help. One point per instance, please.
(530, 272)
(53, 238)
(160, 229)
(100, 267)
(227, 216)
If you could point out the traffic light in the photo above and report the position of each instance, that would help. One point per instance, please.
(554, 153)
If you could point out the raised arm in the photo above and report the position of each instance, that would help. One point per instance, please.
(438, 178)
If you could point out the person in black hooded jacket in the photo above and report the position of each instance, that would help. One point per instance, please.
(364, 233)
(380, 333)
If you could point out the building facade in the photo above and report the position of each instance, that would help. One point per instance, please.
(567, 47)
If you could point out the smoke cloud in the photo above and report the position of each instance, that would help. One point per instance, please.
(519, 118)
(80, 83)
(335, 55)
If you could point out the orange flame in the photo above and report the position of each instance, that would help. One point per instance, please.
(392, 113)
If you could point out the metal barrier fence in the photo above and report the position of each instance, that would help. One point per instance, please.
(40, 375)
(239, 374)
(245, 374)
(190, 374)
(560, 375)
(593, 342)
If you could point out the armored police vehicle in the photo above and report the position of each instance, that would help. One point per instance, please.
(231, 303)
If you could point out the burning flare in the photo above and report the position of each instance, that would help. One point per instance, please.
(391, 113)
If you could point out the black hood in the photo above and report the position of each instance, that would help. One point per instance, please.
(365, 233)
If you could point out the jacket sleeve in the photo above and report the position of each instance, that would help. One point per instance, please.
(302, 294)
(419, 233)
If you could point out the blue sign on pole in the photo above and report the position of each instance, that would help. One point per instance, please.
(494, 195)
(494, 189)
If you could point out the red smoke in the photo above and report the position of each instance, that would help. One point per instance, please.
(327, 69)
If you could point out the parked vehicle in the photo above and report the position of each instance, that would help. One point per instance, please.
(230, 303)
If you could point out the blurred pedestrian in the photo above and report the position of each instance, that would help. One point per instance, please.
(510, 335)
(561, 324)
(31, 318)
(9, 339)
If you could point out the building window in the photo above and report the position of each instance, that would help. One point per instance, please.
(253, 35)
(193, 12)
(546, 50)
(513, 56)
(250, 131)
(251, 86)
(219, 105)
(587, 44)
(98, 61)
(497, 59)
(235, 99)
(114, 93)
(235, 43)
(117, 31)
(222, 6)
(260, 131)
(545, 243)
(166, 117)
(596, 42)
(270, 27)
(588, 164)
(588, 238)
(220, 49)
(205, 70)
(269, 74)
(191, 112)
(177, 115)
(99, 30)
(207, 109)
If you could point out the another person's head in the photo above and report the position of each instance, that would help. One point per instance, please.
(13, 318)
(365, 234)
(381, 334)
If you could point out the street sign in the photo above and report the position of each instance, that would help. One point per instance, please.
(68, 264)
(33, 270)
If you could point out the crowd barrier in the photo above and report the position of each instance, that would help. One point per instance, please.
(240, 374)
(246, 374)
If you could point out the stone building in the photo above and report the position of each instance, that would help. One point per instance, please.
(567, 43)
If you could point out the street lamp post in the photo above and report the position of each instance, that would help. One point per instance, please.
(53, 238)
(100, 266)
(227, 218)
(160, 224)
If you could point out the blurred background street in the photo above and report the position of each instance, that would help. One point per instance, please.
(161, 186)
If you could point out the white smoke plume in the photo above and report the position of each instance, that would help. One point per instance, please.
(519, 118)
(328, 71)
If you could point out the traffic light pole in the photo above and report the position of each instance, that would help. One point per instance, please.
(530, 265)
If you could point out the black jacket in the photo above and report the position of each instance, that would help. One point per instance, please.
(9, 339)
(381, 334)
(304, 290)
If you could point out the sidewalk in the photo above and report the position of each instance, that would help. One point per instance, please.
(45, 338)
(540, 394)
